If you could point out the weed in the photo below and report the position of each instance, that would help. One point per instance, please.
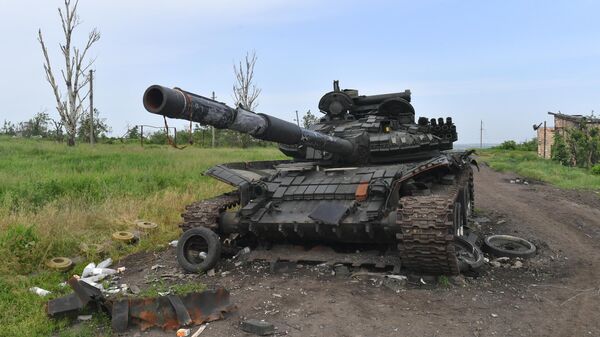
(443, 281)
(529, 165)
(54, 198)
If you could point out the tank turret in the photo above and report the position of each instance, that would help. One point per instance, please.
(355, 129)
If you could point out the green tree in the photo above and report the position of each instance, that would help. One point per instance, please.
(101, 128)
(8, 128)
(580, 145)
(133, 133)
(309, 119)
(559, 150)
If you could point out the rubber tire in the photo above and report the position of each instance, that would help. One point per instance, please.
(212, 255)
(465, 266)
(499, 252)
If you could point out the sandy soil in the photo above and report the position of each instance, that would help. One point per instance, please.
(556, 293)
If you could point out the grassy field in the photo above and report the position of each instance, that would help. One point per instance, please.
(527, 164)
(53, 198)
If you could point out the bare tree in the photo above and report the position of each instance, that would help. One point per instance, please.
(245, 91)
(70, 108)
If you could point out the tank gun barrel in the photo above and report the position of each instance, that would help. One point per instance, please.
(180, 104)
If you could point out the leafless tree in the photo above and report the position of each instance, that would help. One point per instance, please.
(245, 91)
(70, 107)
(58, 129)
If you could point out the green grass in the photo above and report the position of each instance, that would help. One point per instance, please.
(178, 289)
(53, 198)
(529, 165)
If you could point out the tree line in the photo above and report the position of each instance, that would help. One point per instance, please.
(41, 125)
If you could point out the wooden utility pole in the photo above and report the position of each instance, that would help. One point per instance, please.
(297, 119)
(212, 127)
(141, 135)
(481, 135)
(544, 139)
(92, 140)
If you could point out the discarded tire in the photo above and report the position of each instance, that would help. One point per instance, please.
(198, 249)
(470, 257)
(508, 246)
(59, 263)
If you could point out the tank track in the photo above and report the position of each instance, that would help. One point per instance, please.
(426, 241)
(205, 213)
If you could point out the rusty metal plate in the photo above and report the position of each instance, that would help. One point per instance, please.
(206, 306)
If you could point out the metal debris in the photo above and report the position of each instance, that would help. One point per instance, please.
(172, 312)
(168, 312)
(82, 295)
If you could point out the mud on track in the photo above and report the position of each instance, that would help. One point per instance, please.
(554, 294)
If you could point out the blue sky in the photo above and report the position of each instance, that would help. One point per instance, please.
(504, 62)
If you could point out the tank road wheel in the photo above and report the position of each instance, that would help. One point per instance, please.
(509, 246)
(198, 249)
(469, 255)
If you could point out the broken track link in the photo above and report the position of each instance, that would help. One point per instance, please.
(426, 241)
(205, 213)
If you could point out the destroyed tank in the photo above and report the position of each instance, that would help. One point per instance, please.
(365, 177)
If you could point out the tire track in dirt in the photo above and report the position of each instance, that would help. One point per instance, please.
(568, 223)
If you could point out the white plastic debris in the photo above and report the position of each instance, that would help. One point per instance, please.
(121, 269)
(105, 271)
(199, 331)
(156, 266)
(495, 315)
(39, 291)
(173, 243)
(105, 264)
(84, 317)
(94, 278)
(241, 252)
(88, 270)
(203, 255)
(422, 281)
(397, 277)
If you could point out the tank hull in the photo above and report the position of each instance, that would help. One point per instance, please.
(395, 207)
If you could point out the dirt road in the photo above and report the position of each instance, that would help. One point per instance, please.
(555, 293)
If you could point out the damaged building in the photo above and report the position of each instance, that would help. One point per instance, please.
(545, 135)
